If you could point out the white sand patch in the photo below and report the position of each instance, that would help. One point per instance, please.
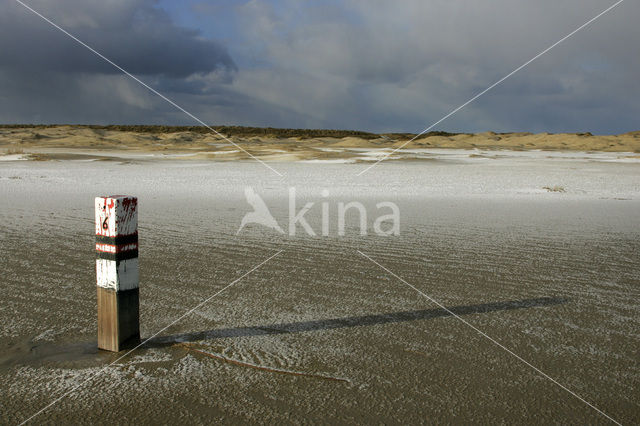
(14, 157)
(329, 161)
(475, 155)
(325, 149)
(158, 179)
(234, 151)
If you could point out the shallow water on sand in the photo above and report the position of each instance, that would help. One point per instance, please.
(320, 332)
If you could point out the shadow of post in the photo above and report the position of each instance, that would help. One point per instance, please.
(353, 321)
(87, 353)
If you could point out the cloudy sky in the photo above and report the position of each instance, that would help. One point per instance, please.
(362, 64)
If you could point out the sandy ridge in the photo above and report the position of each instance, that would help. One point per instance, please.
(77, 142)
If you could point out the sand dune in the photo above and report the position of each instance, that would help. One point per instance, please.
(105, 142)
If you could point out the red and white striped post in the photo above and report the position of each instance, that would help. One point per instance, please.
(117, 272)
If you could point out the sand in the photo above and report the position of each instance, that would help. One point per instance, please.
(81, 142)
(320, 334)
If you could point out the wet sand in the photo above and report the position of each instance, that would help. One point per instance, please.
(320, 334)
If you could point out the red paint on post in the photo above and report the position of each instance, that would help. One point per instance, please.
(116, 228)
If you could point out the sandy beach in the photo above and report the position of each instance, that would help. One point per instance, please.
(538, 251)
(217, 213)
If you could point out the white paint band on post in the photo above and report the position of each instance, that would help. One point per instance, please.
(117, 271)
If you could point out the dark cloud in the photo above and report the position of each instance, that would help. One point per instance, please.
(389, 66)
(46, 77)
(370, 65)
(134, 34)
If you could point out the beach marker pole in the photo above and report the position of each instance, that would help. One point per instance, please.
(117, 272)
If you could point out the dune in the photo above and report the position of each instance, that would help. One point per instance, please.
(66, 141)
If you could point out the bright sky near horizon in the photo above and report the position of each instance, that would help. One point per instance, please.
(367, 65)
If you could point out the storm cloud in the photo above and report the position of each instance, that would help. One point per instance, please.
(371, 65)
(134, 34)
(45, 76)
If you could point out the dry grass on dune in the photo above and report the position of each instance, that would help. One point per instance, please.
(301, 143)
(239, 131)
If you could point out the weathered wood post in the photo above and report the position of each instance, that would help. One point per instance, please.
(117, 272)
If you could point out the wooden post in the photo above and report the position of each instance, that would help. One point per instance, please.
(117, 272)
